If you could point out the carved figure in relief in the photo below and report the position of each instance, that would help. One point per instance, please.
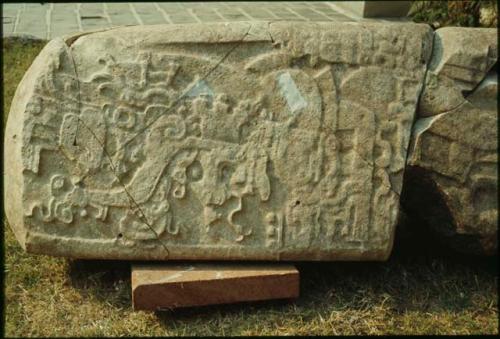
(220, 149)
(230, 170)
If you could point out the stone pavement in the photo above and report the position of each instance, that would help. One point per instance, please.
(49, 20)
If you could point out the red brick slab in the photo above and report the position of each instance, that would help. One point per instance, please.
(166, 285)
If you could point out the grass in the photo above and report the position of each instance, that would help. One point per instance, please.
(424, 288)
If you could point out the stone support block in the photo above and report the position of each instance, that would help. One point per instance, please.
(167, 286)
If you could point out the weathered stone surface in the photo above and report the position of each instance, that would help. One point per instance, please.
(460, 60)
(452, 182)
(259, 140)
(165, 286)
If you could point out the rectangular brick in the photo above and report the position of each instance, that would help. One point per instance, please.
(164, 285)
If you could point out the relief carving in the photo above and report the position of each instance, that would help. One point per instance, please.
(280, 147)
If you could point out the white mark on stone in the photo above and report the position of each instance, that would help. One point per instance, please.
(201, 88)
(218, 275)
(422, 124)
(177, 275)
(291, 93)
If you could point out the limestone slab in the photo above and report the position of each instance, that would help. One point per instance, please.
(166, 286)
(453, 173)
(248, 140)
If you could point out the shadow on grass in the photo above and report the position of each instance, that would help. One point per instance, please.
(106, 280)
(421, 275)
(408, 281)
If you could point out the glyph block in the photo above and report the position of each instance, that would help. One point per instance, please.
(248, 140)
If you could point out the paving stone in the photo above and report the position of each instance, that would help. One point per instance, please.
(265, 141)
(150, 13)
(121, 14)
(33, 22)
(10, 10)
(92, 9)
(166, 286)
(60, 19)
(64, 18)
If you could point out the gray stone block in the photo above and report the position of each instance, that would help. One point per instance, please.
(252, 140)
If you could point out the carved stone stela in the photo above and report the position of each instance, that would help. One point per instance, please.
(226, 141)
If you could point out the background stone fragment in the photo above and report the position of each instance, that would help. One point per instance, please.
(452, 180)
(461, 58)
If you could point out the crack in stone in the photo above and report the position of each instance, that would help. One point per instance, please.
(424, 79)
(450, 111)
(173, 105)
(417, 106)
(131, 198)
(269, 32)
(487, 76)
(109, 156)
(79, 96)
(465, 101)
